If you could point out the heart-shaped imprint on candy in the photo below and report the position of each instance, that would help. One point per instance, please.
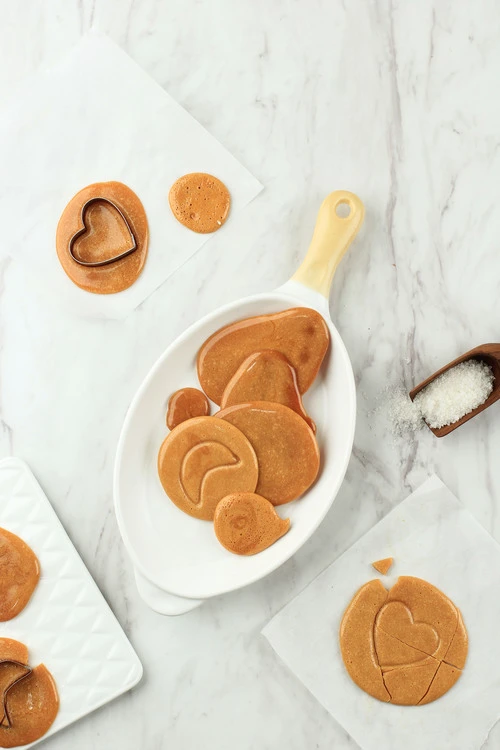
(105, 236)
(392, 652)
(201, 461)
(406, 646)
(396, 619)
(246, 523)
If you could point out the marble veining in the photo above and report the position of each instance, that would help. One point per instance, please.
(395, 101)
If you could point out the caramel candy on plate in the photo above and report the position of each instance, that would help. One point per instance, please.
(204, 459)
(300, 334)
(19, 574)
(286, 449)
(13, 650)
(246, 523)
(32, 704)
(407, 645)
(30, 699)
(186, 403)
(102, 238)
(265, 376)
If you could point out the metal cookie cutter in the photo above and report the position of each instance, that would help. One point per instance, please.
(83, 213)
(5, 720)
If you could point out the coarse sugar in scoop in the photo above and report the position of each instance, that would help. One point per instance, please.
(455, 393)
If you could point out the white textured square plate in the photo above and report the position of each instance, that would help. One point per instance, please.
(67, 623)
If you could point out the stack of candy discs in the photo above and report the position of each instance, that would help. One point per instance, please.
(260, 449)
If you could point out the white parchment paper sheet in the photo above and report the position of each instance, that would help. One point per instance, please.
(431, 536)
(97, 116)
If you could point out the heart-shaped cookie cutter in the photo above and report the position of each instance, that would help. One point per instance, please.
(107, 261)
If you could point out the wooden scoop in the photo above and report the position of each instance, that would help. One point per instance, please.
(488, 353)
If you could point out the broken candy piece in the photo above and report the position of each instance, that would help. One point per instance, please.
(356, 639)
(396, 619)
(457, 652)
(413, 634)
(427, 605)
(392, 652)
(13, 651)
(408, 685)
(383, 566)
(32, 705)
(444, 679)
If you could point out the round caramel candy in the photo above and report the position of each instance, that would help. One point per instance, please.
(19, 574)
(246, 523)
(407, 645)
(286, 449)
(200, 201)
(204, 459)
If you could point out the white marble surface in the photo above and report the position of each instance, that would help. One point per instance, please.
(396, 101)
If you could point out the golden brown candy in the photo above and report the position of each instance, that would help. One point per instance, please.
(32, 705)
(107, 235)
(13, 650)
(417, 601)
(300, 334)
(383, 566)
(13, 666)
(200, 201)
(406, 646)
(246, 523)
(203, 460)
(19, 574)
(356, 640)
(286, 449)
(265, 376)
(186, 403)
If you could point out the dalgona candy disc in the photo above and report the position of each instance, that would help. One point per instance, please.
(246, 523)
(300, 334)
(286, 449)
(204, 459)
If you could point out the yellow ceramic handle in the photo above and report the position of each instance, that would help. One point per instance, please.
(332, 236)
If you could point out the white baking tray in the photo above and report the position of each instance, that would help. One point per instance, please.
(67, 623)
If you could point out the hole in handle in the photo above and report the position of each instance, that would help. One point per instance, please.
(343, 210)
